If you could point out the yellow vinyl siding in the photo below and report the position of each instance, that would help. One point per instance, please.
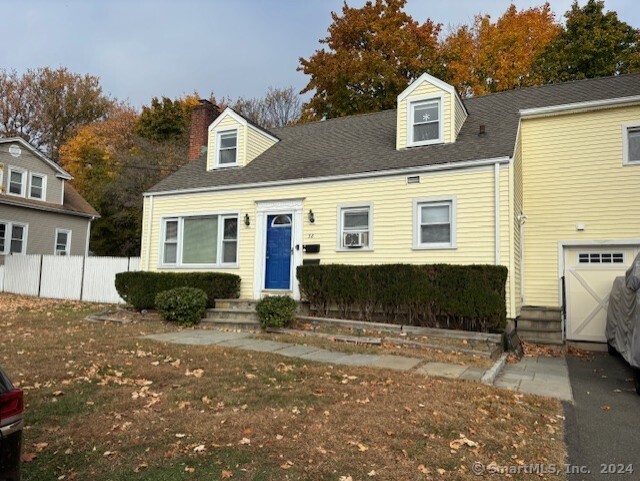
(392, 202)
(228, 123)
(424, 90)
(461, 116)
(572, 172)
(257, 143)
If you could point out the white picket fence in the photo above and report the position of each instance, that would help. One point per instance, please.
(76, 278)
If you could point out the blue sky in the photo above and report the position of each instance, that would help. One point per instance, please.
(146, 48)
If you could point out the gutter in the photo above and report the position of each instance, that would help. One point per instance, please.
(337, 178)
(579, 107)
(48, 209)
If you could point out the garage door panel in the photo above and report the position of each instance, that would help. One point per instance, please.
(589, 275)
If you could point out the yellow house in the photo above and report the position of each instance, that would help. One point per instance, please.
(541, 180)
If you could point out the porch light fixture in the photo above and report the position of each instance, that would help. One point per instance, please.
(312, 217)
(247, 221)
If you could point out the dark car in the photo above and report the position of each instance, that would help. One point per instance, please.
(11, 422)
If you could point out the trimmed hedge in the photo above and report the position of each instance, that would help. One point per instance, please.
(276, 311)
(184, 305)
(439, 295)
(141, 288)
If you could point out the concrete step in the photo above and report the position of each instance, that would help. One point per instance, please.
(241, 325)
(540, 337)
(232, 314)
(538, 325)
(244, 304)
(535, 313)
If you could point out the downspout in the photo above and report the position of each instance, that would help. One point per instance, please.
(149, 224)
(522, 219)
(496, 188)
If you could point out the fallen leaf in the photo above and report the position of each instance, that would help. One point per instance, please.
(194, 373)
(57, 393)
(28, 457)
(287, 465)
(422, 468)
(226, 474)
(40, 446)
(245, 441)
(189, 469)
(441, 471)
(199, 449)
(606, 407)
(372, 473)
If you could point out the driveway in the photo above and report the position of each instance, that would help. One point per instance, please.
(602, 425)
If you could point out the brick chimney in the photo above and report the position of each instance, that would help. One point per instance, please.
(202, 115)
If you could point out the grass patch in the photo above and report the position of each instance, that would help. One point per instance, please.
(135, 409)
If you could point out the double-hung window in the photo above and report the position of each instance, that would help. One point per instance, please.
(200, 241)
(37, 186)
(355, 227)
(13, 238)
(17, 182)
(426, 123)
(227, 151)
(63, 242)
(631, 144)
(434, 224)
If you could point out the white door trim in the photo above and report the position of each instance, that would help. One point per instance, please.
(275, 207)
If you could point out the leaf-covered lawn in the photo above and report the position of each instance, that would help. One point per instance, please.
(104, 404)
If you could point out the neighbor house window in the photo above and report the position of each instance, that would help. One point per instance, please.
(17, 184)
(631, 141)
(37, 186)
(13, 238)
(434, 224)
(355, 227)
(426, 124)
(227, 151)
(63, 242)
(208, 240)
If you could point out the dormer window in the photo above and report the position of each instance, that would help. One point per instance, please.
(227, 148)
(426, 122)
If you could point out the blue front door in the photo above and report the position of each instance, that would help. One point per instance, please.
(278, 261)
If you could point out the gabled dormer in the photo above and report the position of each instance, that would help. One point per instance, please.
(235, 141)
(429, 112)
(25, 173)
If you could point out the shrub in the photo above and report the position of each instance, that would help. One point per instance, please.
(141, 288)
(184, 305)
(276, 311)
(439, 295)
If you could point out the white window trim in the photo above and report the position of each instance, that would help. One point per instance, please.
(7, 240)
(417, 204)
(340, 221)
(44, 186)
(67, 248)
(625, 143)
(219, 134)
(410, 119)
(179, 264)
(23, 187)
(2, 189)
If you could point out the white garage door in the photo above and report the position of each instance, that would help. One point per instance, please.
(589, 274)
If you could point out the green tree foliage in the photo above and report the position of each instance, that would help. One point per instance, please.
(594, 43)
(163, 120)
(47, 106)
(372, 54)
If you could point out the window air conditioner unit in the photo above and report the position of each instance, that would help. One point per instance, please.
(355, 240)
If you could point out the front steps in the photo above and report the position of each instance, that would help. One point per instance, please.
(540, 325)
(239, 314)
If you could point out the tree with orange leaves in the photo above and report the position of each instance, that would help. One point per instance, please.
(494, 56)
(372, 54)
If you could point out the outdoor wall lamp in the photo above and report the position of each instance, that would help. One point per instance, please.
(247, 221)
(312, 217)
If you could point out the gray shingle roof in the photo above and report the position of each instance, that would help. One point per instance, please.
(366, 143)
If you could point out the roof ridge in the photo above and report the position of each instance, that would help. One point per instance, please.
(537, 87)
(323, 121)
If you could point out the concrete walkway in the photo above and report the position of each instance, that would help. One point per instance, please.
(546, 376)
(540, 370)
